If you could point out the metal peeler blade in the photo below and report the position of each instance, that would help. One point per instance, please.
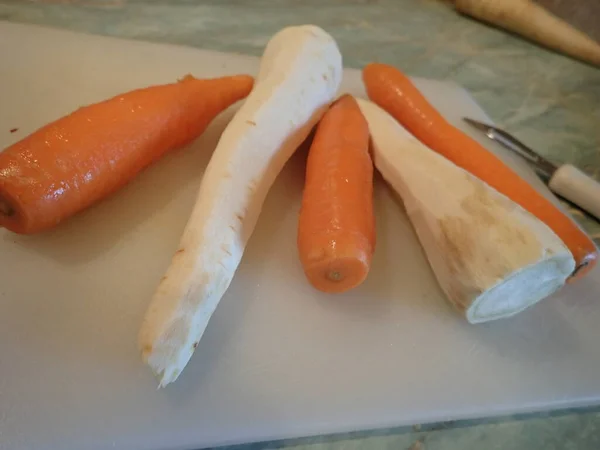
(544, 167)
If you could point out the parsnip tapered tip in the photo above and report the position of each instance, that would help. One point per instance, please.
(166, 368)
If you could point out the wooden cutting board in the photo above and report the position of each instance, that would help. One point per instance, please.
(278, 359)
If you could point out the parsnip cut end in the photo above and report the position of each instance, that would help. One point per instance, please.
(520, 291)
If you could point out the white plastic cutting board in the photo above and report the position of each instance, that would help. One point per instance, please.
(278, 359)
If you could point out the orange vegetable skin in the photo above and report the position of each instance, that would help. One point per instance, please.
(70, 164)
(336, 230)
(394, 92)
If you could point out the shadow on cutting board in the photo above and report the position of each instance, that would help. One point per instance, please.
(540, 331)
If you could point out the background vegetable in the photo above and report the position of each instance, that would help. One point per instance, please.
(532, 21)
(491, 257)
(299, 76)
(82, 158)
(336, 228)
(395, 93)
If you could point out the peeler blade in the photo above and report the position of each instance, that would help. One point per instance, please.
(544, 167)
(479, 125)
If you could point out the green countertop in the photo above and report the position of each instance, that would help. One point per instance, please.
(548, 100)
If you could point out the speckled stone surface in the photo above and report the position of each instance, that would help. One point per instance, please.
(547, 100)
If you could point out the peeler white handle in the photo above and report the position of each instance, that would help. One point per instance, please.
(577, 187)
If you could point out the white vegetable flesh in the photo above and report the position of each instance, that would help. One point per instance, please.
(491, 257)
(299, 77)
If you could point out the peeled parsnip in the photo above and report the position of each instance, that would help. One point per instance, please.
(532, 21)
(299, 77)
(491, 257)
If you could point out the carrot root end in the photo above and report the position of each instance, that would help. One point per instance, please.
(335, 276)
(6, 209)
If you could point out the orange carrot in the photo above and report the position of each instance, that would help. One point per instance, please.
(336, 229)
(394, 92)
(82, 158)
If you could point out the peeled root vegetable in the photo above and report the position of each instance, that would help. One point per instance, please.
(300, 73)
(336, 227)
(532, 21)
(490, 256)
(82, 158)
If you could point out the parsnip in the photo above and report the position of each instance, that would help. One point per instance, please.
(299, 77)
(491, 257)
(533, 22)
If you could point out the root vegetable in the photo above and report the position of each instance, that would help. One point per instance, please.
(532, 21)
(490, 256)
(336, 228)
(299, 76)
(80, 159)
(395, 93)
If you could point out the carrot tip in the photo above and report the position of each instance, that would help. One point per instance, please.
(585, 266)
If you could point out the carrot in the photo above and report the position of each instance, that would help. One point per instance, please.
(336, 229)
(394, 92)
(68, 165)
(533, 22)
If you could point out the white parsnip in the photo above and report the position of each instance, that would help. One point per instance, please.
(299, 76)
(533, 22)
(491, 257)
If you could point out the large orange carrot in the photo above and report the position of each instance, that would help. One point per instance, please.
(394, 92)
(81, 158)
(336, 229)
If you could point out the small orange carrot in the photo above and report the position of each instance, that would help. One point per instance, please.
(72, 163)
(394, 92)
(336, 229)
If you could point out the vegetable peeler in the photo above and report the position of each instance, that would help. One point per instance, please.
(567, 180)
